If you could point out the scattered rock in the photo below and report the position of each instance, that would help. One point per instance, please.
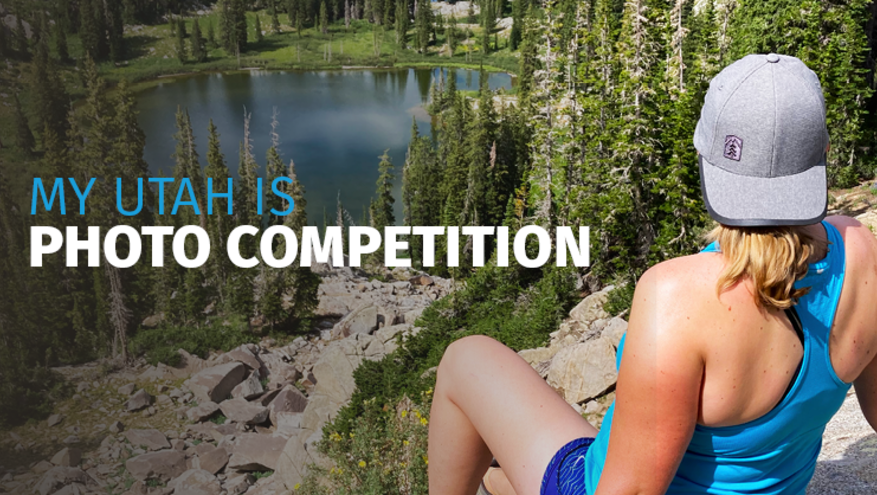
(67, 457)
(202, 411)
(60, 476)
(164, 465)
(213, 460)
(149, 439)
(140, 400)
(289, 400)
(116, 427)
(614, 330)
(591, 307)
(196, 482)
(126, 390)
(216, 383)
(249, 388)
(360, 320)
(255, 452)
(54, 419)
(241, 411)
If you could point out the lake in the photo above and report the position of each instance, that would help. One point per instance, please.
(333, 124)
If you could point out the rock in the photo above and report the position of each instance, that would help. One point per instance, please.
(243, 355)
(138, 401)
(54, 419)
(202, 411)
(153, 321)
(67, 457)
(538, 355)
(361, 320)
(583, 371)
(591, 308)
(72, 439)
(289, 400)
(213, 460)
(41, 467)
(73, 489)
(60, 476)
(196, 482)
(421, 280)
(249, 388)
(255, 452)
(190, 363)
(165, 465)
(126, 390)
(116, 427)
(216, 383)
(298, 454)
(614, 330)
(238, 484)
(241, 411)
(148, 439)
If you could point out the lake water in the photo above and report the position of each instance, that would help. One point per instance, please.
(333, 124)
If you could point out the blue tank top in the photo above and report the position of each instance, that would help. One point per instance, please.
(776, 453)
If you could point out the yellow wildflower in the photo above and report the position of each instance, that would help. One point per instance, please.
(404, 413)
(423, 421)
(405, 442)
(362, 464)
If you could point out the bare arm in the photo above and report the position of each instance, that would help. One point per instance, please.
(658, 393)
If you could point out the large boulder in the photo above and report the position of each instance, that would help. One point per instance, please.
(255, 452)
(164, 465)
(150, 439)
(614, 330)
(211, 458)
(361, 320)
(140, 400)
(216, 383)
(241, 411)
(583, 371)
(590, 308)
(249, 388)
(288, 400)
(196, 482)
(202, 411)
(67, 457)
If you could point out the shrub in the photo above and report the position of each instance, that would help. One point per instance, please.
(385, 452)
(161, 344)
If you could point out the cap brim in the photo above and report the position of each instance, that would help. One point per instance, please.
(744, 201)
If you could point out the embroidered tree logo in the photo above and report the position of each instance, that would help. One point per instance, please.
(733, 148)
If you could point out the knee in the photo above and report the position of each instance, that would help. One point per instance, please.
(463, 355)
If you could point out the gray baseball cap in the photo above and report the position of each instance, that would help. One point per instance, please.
(762, 141)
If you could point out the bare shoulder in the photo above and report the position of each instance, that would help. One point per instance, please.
(692, 278)
(861, 243)
(675, 298)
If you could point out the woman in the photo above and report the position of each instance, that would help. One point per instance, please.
(734, 359)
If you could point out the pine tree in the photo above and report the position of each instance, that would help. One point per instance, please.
(324, 18)
(88, 34)
(211, 36)
(116, 30)
(382, 206)
(100, 28)
(61, 43)
(24, 136)
(49, 95)
(219, 223)
(518, 12)
(403, 23)
(182, 50)
(233, 22)
(258, 28)
(423, 25)
(199, 50)
(275, 20)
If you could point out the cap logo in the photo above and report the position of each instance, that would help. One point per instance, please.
(733, 148)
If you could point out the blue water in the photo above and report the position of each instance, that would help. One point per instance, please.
(333, 124)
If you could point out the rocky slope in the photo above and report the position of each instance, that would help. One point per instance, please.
(222, 425)
(246, 421)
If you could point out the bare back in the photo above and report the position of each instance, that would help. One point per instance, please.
(751, 355)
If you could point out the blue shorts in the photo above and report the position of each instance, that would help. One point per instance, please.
(566, 471)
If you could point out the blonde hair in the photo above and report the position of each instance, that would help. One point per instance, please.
(773, 258)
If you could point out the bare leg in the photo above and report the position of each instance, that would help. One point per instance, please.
(489, 400)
